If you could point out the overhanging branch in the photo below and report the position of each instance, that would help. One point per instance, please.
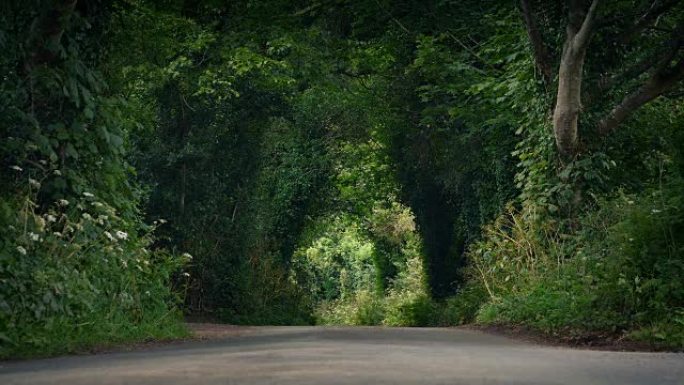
(655, 86)
(656, 9)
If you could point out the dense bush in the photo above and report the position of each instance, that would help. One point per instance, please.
(620, 272)
(77, 264)
(76, 274)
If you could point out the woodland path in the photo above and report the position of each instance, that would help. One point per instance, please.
(354, 355)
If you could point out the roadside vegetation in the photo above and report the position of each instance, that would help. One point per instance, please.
(397, 163)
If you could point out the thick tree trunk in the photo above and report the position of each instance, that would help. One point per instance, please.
(568, 98)
(568, 103)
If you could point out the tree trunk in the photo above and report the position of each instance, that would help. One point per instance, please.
(568, 103)
(568, 99)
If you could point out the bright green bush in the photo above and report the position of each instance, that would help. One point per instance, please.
(364, 308)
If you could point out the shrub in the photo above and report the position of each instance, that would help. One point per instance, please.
(620, 271)
(80, 275)
(364, 308)
(461, 308)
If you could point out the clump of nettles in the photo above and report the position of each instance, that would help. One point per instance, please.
(75, 273)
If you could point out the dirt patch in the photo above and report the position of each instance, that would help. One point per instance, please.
(588, 341)
(206, 331)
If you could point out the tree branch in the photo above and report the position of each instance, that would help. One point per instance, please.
(472, 52)
(653, 12)
(309, 9)
(608, 82)
(585, 31)
(660, 60)
(541, 54)
(655, 86)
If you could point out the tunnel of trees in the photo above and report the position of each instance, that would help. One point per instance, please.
(363, 162)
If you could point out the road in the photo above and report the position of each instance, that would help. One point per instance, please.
(363, 355)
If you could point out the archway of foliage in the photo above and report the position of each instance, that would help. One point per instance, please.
(279, 129)
(346, 162)
(254, 137)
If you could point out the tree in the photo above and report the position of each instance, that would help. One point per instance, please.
(650, 41)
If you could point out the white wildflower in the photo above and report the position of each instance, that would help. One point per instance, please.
(187, 256)
(162, 221)
(16, 168)
(186, 274)
(88, 195)
(63, 202)
(34, 237)
(97, 204)
(34, 183)
(630, 202)
(121, 235)
(57, 234)
(109, 236)
(656, 211)
(21, 250)
(57, 172)
(86, 216)
(43, 162)
(147, 292)
(51, 218)
(124, 263)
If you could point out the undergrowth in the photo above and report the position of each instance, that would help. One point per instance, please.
(619, 274)
(78, 276)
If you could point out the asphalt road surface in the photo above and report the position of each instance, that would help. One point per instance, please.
(363, 355)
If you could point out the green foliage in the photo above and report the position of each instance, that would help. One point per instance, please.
(364, 268)
(77, 274)
(620, 271)
(365, 308)
(462, 308)
(77, 264)
(353, 162)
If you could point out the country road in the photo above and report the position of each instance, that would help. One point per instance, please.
(362, 355)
